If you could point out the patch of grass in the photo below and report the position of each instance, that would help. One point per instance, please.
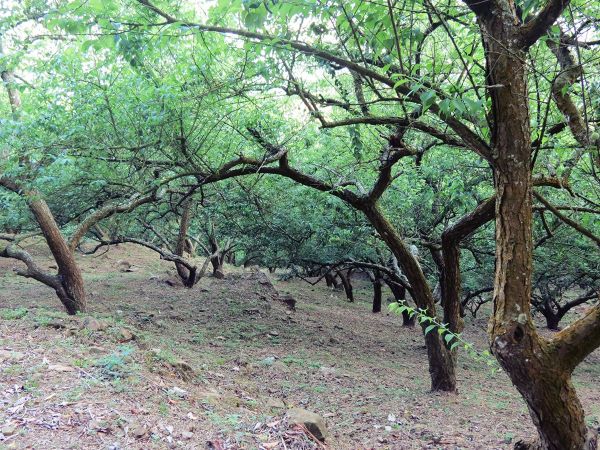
(82, 362)
(116, 365)
(163, 409)
(166, 356)
(14, 313)
(198, 338)
(228, 422)
(31, 385)
(13, 370)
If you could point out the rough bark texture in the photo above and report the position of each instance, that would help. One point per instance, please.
(534, 365)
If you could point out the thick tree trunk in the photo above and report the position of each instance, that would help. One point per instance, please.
(534, 365)
(441, 363)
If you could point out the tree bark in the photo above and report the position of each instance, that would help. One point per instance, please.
(450, 265)
(188, 277)
(534, 365)
(347, 284)
(441, 363)
(377, 284)
(399, 293)
(329, 280)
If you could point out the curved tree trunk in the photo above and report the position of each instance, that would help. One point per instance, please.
(441, 363)
(72, 294)
(188, 277)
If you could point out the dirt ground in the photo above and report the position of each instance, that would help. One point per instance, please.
(217, 366)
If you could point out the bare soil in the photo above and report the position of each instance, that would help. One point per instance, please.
(217, 366)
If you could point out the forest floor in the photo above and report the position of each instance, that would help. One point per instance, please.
(216, 367)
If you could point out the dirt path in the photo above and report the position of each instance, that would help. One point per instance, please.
(218, 365)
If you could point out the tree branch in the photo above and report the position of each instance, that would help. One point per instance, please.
(539, 25)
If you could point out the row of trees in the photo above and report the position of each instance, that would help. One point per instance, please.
(326, 138)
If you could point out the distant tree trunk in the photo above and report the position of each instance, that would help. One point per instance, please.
(329, 280)
(399, 293)
(230, 258)
(449, 265)
(188, 277)
(347, 284)
(217, 265)
(218, 254)
(377, 285)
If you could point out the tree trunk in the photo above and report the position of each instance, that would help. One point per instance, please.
(377, 282)
(399, 293)
(533, 365)
(441, 363)
(450, 262)
(72, 295)
(347, 284)
(188, 277)
(217, 265)
(329, 280)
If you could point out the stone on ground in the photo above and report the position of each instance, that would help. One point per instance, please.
(313, 422)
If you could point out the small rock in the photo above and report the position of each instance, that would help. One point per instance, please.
(125, 266)
(60, 368)
(92, 324)
(312, 421)
(184, 370)
(275, 405)
(9, 429)
(329, 371)
(138, 431)
(187, 435)
(177, 392)
(95, 350)
(126, 335)
(273, 333)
